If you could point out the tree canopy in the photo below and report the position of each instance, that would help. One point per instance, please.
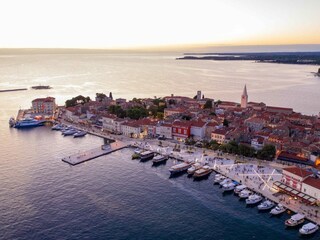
(77, 100)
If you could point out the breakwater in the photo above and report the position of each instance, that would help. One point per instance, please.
(14, 90)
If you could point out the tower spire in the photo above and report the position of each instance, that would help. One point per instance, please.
(244, 97)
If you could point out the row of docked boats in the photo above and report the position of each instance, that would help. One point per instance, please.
(252, 198)
(145, 155)
(69, 131)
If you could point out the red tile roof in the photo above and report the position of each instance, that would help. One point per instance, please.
(314, 182)
(297, 171)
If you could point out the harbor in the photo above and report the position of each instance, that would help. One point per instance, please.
(258, 178)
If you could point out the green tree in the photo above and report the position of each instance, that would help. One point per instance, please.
(208, 104)
(225, 123)
(268, 152)
(246, 151)
(77, 100)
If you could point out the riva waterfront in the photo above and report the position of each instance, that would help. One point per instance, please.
(111, 197)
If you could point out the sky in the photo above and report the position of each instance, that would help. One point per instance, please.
(115, 24)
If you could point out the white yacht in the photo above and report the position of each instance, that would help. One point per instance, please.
(253, 199)
(245, 193)
(159, 158)
(228, 187)
(278, 209)
(202, 172)
(194, 167)
(308, 229)
(225, 181)
(239, 188)
(266, 205)
(218, 178)
(138, 150)
(294, 220)
(179, 167)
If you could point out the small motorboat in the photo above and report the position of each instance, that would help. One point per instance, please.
(69, 132)
(228, 187)
(266, 205)
(278, 209)
(239, 188)
(218, 178)
(245, 193)
(308, 229)
(225, 181)
(253, 199)
(79, 134)
(295, 220)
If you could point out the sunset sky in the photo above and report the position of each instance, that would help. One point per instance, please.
(153, 23)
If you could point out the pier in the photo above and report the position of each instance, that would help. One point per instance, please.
(94, 153)
(14, 90)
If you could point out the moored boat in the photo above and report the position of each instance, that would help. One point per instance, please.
(245, 193)
(253, 199)
(69, 132)
(29, 123)
(225, 181)
(266, 205)
(146, 155)
(57, 127)
(239, 188)
(202, 172)
(228, 187)
(308, 229)
(295, 220)
(179, 167)
(159, 158)
(278, 209)
(218, 178)
(194, 167)
(79, 134)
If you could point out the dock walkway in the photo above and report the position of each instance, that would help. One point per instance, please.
(94, 153)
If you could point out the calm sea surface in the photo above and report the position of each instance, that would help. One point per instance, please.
(113, 197)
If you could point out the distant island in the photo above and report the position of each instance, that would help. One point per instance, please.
(304, 58)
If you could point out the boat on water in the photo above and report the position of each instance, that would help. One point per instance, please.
(179, 167)
(159, 158)
(308, 229)
(278, 209)
(225, 181)
(239, 188)
(202, 172)
(40, 87)
(294, 220)
(29, 123)
(57, 127)
(69, 132)
(194, 167)
(228, 187)
(138, 151)
(245, 193)
(253, 199)
(218, 178)
(266, 205)
(146, 155)
(79, 134)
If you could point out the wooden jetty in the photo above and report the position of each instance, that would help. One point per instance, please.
(94, 153)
